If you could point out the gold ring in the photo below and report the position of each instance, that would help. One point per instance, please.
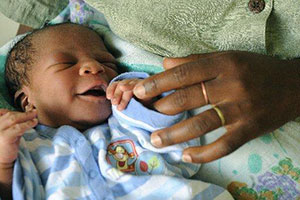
(204, 93)
(220, 114)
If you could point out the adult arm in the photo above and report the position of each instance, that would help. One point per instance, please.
(256, 94)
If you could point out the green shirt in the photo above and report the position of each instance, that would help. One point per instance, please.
(33, 13)
(178, 28)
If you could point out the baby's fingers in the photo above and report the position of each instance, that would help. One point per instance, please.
(3, 111)
(125, 100)
(128, 85)
(111, 90)
(13, 133)
(12, 118)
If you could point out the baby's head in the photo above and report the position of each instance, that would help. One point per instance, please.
(62, 71)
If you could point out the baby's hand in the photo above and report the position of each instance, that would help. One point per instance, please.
(12, 126)
(120, 92)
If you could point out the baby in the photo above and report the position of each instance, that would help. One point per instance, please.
(59, 76)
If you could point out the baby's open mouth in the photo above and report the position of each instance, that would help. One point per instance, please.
(96, 91)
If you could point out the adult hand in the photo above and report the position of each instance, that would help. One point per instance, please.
(255, 93)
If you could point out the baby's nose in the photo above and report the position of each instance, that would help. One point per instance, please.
(91, 68)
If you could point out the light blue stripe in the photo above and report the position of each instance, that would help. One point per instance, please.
(133, 183)
(209, 193)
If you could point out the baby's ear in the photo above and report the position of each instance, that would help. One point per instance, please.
(22, 99)
(26, 105)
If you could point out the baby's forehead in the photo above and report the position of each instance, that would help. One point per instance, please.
(67, 31)
(68, 37)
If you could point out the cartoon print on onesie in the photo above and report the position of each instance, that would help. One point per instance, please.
(123, 155)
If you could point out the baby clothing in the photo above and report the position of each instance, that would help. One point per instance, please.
(114, 160)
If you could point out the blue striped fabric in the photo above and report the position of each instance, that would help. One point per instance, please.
(114, 160)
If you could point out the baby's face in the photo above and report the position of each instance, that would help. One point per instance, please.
(69, 77)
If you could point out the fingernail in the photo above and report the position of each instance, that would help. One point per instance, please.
(139, 91)
(156, 140)
(132, 82)
(119, 108)
(186, 158)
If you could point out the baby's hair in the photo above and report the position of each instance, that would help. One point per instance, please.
(18, 63)
(20, 60)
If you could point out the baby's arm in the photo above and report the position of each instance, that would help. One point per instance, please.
(12, 126)
(120, 93)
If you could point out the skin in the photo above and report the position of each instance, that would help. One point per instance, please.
(75, 59)
(256, 94)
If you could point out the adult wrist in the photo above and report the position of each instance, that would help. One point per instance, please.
(294, 87)
(6, 171)
(6, 166)
(298, 84)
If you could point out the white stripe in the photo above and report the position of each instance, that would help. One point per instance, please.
(197, 186)
(184, 192)
(153, 184)
(224, 196)
(97, 135)
(45, 163)
(70, 193)
(38, 143)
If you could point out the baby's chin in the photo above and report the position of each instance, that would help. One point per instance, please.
(85, 124)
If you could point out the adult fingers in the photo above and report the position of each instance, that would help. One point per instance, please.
(181, 100)
(186, 130)
(196, 126)
(189, 98)
(226, 144)
(11, 118)
(169, 63)
(178, 77)
(14, 132)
